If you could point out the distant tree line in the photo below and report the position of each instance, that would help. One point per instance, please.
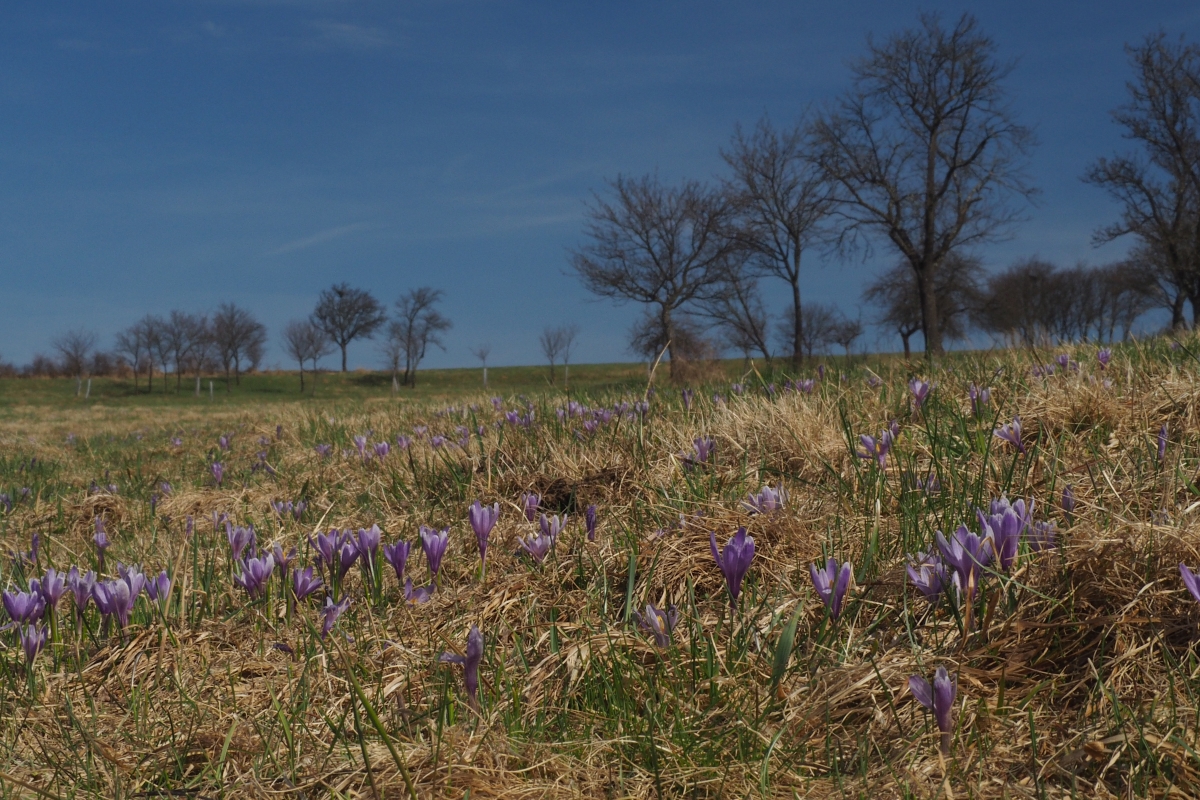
(922, 160)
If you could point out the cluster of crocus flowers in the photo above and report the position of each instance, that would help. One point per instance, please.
(831, 583)
(734, 561)
(287, 508)
(1005, 523)
(938, 698)
(659, 624)
(1011, 433)
(765, 501)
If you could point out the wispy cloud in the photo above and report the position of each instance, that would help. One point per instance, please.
(320, 237)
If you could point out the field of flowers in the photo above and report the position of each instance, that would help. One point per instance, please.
(895, 581)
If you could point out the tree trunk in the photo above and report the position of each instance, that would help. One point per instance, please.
(930, 328)
(1177, 319)
(797, 326)
(237, 370)
(301, 377)
(343, 357)
(669, 332)
(904, 337)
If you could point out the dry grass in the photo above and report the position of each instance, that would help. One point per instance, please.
(1080, 679)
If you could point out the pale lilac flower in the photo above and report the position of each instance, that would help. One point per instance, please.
(403, 442)
(81, 587)
(240, 539)
(360, 443)
(1068, 501)
(765, 501)
(529, 503)
(938, 698)
(1005, 524)
(101, 540)
(331, 612)
(33, 639)
(589, 518)
(876, 448)
(980, 399)
(1011, 433)
(1190, 580)
(483, 519)
(421, 594)
(303, 583)
(928, 574)
(687, 395)
(24, 607)
(831, 584)
(255, 576)
(537, 546)
(1042, 536)
(967, 554)
(218, 472)
(382, 449)
(283, 561)
(397, 555)
(1104, 357)
(552, 526)
(658, 623)
(223, 442)
(114, 598)
(159, 588)
(324, 450)
(734, 562)
(920, 391)
(52, 587)
(1162, 443)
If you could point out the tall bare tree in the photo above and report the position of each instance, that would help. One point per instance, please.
(738, 311)
(74, 349)
(958, 286)
(132, 342)
(1159, 188)
(552, 341)
(182, 334)
(662, 246)
(418, 325)
(925, 152)
(237, 337)
(782, 197)
(346, 314)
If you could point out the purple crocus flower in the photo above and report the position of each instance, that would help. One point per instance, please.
(529, 503)
(437, 441)
(876, 448)
(347, 554)
(470, 664)
(421, 594)
(366, 542)
(704, 448)
(331, 612)
(434, 543)
(1011, 433)
(928, 574)
(537, 546)
(1190, 580)
(420, 431)
(160, 587)
(240, 540)
(765, 501)
(687, 395)
(403, 442)
(283, 561)
(218, 472)
(360, 443)
(938, 698)
(658, 623)
(397, 555)
(33, 639)
(324, 450)
(806, 385)
(101, 540)
(113, 598)
(133, 577)
(223, 442)
(980, 398)
(831, 584)
(734, 561)
(1104, 357)
(327, 546)
(967, 554)
(52, 587)
(589, 518)
(483, 519)
(382, 449)
(303, 582)
(1005, 524)
(920, 391)
(81, 587)
(256, 575)
(821, 371)
(24, 607)
(552, 526)
(1068, 501)
(1162, 443)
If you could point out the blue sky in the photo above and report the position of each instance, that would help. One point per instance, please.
(160, 155)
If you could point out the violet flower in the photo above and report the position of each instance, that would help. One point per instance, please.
(589, 518)
(1190, 580)
(403, 442)
(256, 575)
(529, 503)
(283, 561)
(360, 443)
(980, 399)
(1011, 433)
(331, 612)
(397, 555)
(324, 450)
(52, 587)
(765, 501)
(1068, 501)
(218, 472)
(1162, 443)
(704, 447)
(33, 639)
(24, 607)
(421, 594)
(483, 519)
(658, 623)
(303, 583)
(1005, 525)
(1103, 357)
(876, 448)
(382, 449)
(537, 546)
(81, 587)
(1042, 536)
(967, 554)
(470, 664)
(223, 442)
(687, 395)
(347, 554)
(159, 589)
(552, 526)
(101, 540)
(938, 698)
(114, 598)
(831, 584)
(920, 391)
(240, 540)
(928, 574)
(434, 543)
(327, 546)
(734, 562)
(366, 542)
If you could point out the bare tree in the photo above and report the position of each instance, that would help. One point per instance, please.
(738, 311)
(820, 323)
(419, 324)
(181, 334)
(482, 352)
(569, 334)
(74, 348)
(304, 341)
(664, 247)
(782, 197)
(1159, 189)
(132, 342)
(346, 314)
(552, 343)
(845, 333)
(237, 336)
(200, 356)
(895, 295)
(924, 150)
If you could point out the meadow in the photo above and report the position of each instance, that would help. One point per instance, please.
(621, 637)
